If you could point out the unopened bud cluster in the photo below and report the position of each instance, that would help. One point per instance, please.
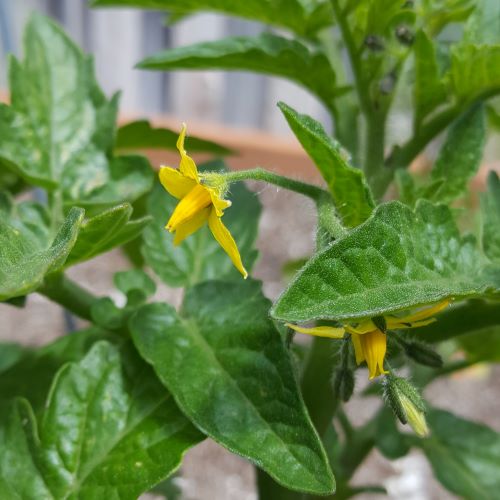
(344, 383)
(423, 354)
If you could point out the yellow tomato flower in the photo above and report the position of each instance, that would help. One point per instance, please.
(369, 337)
(199, 203)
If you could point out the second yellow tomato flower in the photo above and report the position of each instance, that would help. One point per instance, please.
(369, 337)
(199, 204)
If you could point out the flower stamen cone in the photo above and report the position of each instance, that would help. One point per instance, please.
(199, 204)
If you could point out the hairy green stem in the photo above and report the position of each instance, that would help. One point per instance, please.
(260, 174)
(377, 176)
(55, 203)
(329, 226)
(402, 156)
(352, 52)
(69, 295)
(316, 384)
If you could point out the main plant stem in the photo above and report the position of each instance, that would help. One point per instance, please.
(377, 175)
(69, 295)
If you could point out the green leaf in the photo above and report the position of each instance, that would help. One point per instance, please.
(53, 112)
(459, 157)
(483, 26)
(230, 372)
(135, 284)
(482, 345)
(59, 129)
(407, 190)
(141, 135)
(429, 89)
(97, 186)
(134, 279)
(111, 228)
(28, 252)
(389, 441)
(305, 17)
(109, 430)
(10, 354)
(490, 214)
(31, 376)
(199, 257)
(463, 454)
(266, 53)
(351, 194)
(439, 13)
(475, 71)
(396, 260)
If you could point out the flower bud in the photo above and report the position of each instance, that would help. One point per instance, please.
(423, 354)
(406, 403)
(415, 417)
(374, 43)
(344, 383)
(405, 35)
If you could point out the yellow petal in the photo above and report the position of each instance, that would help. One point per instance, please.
(358, 348)
(187, 165)
(424, 313)
(194, 202)
(319, 331)
(175, 183)
(396, 324)
(226, 241)
(191, 226)
(374, 349)
(415, 417)
(219, 203)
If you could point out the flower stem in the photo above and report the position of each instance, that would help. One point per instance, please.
(260, 174)
(402, 156)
